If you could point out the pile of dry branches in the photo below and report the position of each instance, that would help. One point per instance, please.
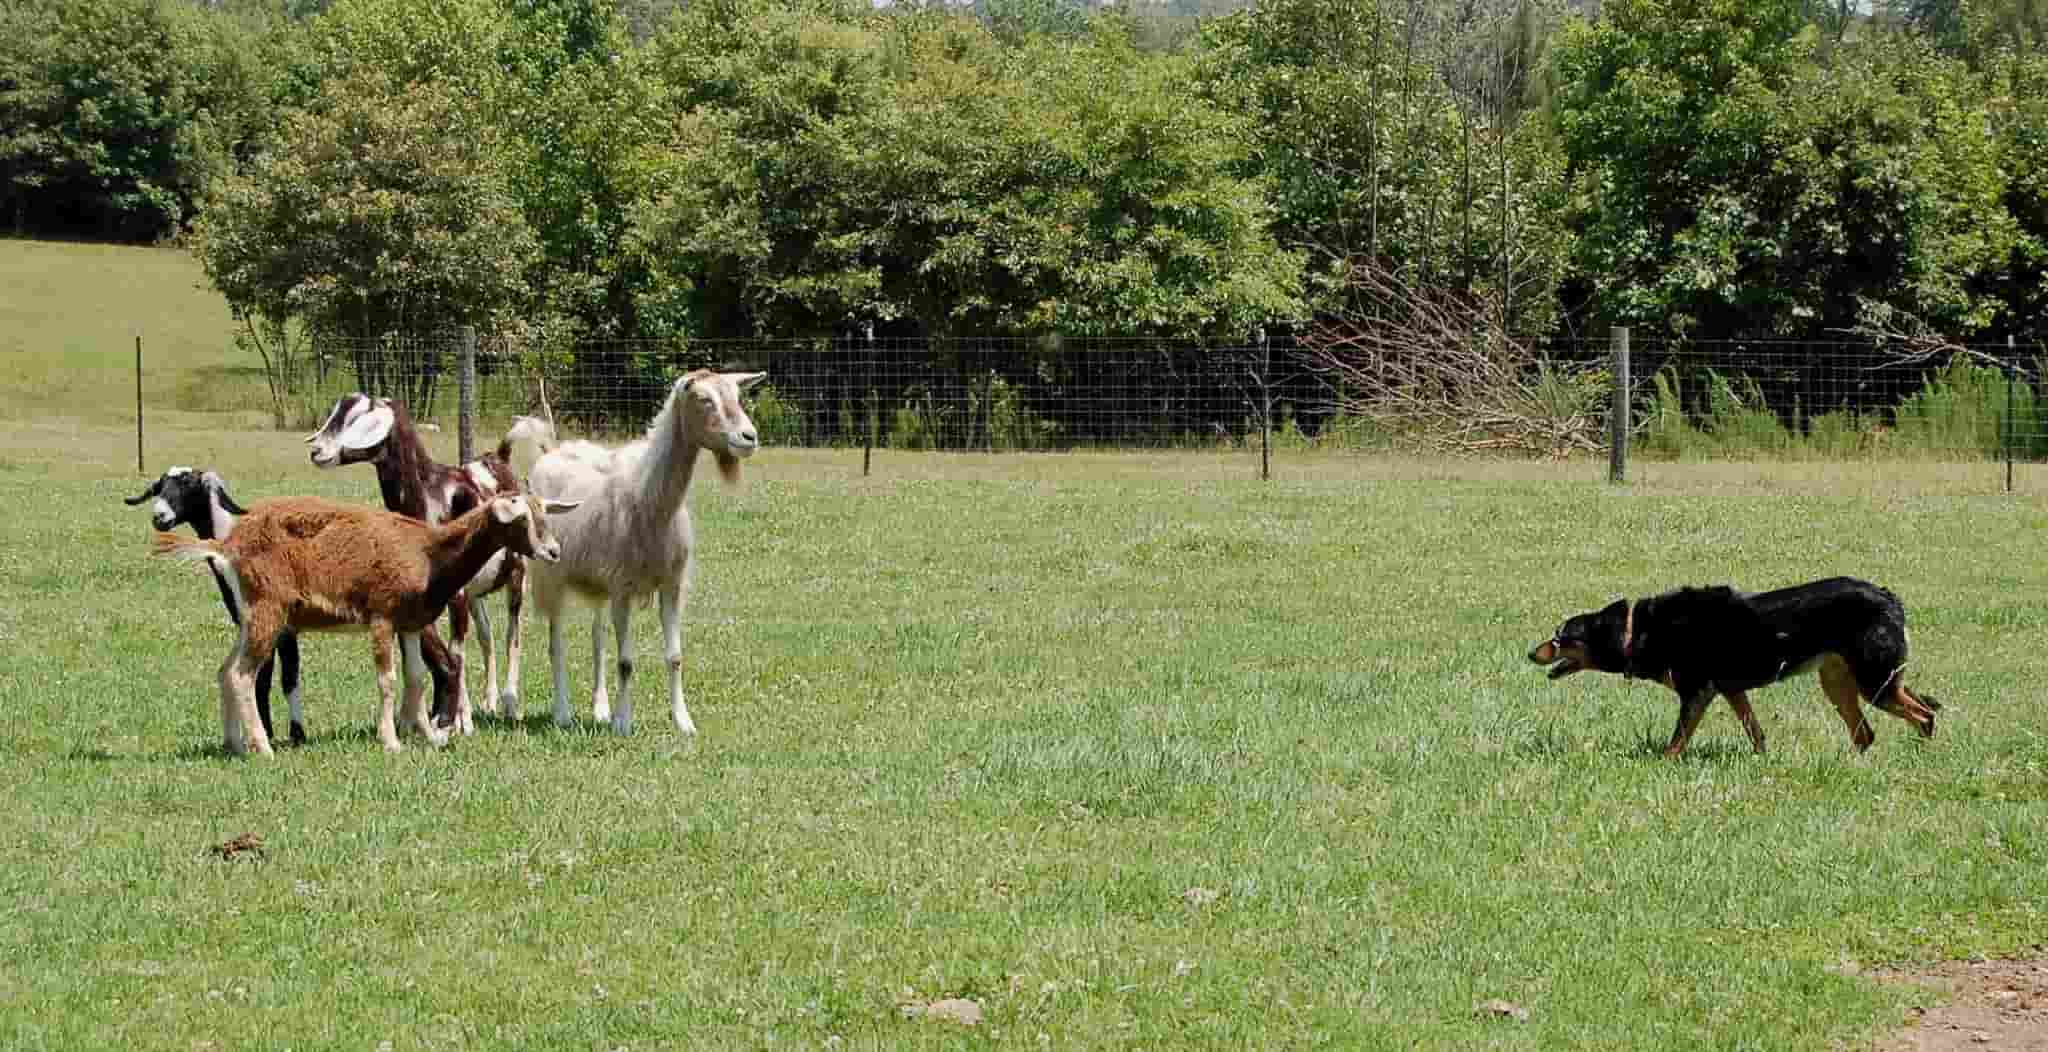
(1432, 369)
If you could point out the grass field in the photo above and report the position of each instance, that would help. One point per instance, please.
(1132, 751)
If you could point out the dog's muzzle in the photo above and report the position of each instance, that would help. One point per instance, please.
(1551, 652)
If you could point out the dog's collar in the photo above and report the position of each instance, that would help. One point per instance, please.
(1628, 639)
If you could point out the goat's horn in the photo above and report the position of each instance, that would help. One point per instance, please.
(154, 489)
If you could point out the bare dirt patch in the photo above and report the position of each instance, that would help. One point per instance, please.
(1976, 1005)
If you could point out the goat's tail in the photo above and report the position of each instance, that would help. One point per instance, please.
(529, 429)
(208, 552)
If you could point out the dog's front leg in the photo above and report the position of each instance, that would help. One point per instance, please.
(1740, 703)
(1690, 708)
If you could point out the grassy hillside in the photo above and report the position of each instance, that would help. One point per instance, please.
(68, 327)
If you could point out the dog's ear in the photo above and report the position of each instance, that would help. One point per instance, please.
(1617, 608)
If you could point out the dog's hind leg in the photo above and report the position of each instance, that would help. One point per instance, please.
(1690, 709)
(1740, 703)
(1840, 683)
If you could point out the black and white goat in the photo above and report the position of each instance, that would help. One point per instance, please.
(200, 499)
(378, 430)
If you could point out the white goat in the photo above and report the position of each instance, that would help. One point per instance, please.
(632, 535)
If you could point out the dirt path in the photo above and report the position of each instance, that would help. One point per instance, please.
(2000, 1005)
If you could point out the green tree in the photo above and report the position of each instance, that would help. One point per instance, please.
(1016, 20)
(759, 219)
(1373, 159)
(383, 209)
(1977, 30)
(838, 167)
(115, 114)
(1731, 185)
(2019, 113)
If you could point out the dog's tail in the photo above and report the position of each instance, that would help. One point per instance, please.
(194, 550)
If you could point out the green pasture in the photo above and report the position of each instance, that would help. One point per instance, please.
(1135, 752)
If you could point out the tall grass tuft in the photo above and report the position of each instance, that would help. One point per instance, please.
(1961, 410)
(1965, 407)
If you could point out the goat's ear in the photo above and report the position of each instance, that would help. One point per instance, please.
(220, 486)
(154, 489)
(556, 507)
(333, 416)
(508, 510)
(746, 380)
(368, 429)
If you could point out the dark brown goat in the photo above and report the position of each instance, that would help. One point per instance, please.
(379, 430)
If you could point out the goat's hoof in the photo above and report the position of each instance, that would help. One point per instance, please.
(393, 745)
(508, 707)
(298, 733)
(684, 726)
(622, 727)
(600, 709)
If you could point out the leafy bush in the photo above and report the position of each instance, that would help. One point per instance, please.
(1011, 423)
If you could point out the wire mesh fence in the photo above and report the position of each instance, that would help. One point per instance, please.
(954, 395)
(1824, 401)
(1685, 400)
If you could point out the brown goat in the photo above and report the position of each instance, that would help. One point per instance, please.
(308, 564)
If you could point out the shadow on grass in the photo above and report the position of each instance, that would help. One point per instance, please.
(213, 750)
(582, 729)
(540, 726)
(1651, 746)
(1555, 741)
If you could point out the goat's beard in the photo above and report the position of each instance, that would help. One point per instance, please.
(728, 466)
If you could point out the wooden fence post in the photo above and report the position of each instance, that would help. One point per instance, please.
(465, 392)
(867, 453)
(1265, 407)
(1618, 412)
(2012, 373)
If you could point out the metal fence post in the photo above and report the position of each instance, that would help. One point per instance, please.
(139, 469)
(465, 391)
(2012, 372)
(1618, 413)
(867, 454)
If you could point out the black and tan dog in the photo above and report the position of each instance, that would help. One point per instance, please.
(1706, 641)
